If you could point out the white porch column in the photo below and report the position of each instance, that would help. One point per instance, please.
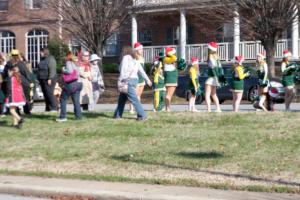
(134, 29)
(236, 33)
(182, 33)
(60, 21)
(295, 36)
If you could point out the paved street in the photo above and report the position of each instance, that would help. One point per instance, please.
(176, 108)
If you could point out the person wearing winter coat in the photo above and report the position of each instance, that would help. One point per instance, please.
(97, 79)
(86, 94)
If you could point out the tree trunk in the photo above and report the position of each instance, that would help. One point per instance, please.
(270, 51)
(100, 50)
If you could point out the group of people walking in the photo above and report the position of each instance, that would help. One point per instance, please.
(82, 80)
(165, 71)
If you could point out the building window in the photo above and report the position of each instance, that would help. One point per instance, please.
(225, 33)
(76, 46)
(145, 37)
(3, 5)
(34, 4)
(173, 35)
(7, 41)
(111, 47)
(36, 40)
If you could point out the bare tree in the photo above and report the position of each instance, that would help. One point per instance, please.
(92, 21)
(263, 20)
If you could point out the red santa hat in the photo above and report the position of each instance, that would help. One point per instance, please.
(170, 51)
(262, 55)
(138, 46)
(213, 46)
(195, 61)
(239, 59)
(287, 53)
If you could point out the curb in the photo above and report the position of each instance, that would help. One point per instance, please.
(45, 192)
(94, 190)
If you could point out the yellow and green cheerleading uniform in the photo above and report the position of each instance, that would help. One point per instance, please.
(170, 70)
(238, 76)
(288, 71)
(262, 75)
(141, 80)
(215, 71)
(159, 88)
(194, 85)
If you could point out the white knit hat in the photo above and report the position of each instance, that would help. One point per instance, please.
(94, 57)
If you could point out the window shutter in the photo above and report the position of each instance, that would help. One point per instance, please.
(169, 36)
(190, 35)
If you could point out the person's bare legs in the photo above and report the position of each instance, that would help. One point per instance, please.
(192, 101)
(233, 100)
(239, 96)
(289, 95)
(262, 99)
(16, 117)
(169, 95)
(215, 98)
(207, 97)
(139, 92)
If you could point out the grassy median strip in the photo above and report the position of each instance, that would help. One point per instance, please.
(246, 151)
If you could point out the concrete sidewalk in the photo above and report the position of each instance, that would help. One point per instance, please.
(43, 187)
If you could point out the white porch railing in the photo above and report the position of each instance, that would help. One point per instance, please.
(157, 2)
(249, 49)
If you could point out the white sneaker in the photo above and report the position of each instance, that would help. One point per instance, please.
(61, 120)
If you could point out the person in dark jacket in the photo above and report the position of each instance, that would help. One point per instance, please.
(46, 74)
(26, 77)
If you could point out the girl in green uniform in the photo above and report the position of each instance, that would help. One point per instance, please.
(263, 82)
(215, 71)
(138, 47)
(237, 85)
(170, 75)
(194, 85)
(288, 78)
(159, 86)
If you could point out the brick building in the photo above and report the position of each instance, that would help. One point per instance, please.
(165, 23)
(26, 25)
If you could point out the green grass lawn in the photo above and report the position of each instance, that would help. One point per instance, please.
(247, 151)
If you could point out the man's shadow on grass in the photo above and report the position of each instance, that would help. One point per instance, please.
(88, 115)
(103, 115)
(5, 124)
(202, 155)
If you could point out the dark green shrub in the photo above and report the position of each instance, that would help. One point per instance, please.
(110, 68)
(59, 50)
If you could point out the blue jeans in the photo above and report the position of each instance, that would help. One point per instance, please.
(73, 90)
(132, 97)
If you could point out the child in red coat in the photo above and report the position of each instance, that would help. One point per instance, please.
(15, 95)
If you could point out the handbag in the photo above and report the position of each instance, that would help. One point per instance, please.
(123, 85)
(69, 78)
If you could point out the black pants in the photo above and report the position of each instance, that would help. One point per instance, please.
(28, 106)
(48, 91)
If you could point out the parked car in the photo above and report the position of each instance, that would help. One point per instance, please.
(38, 94)
(250, 87)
